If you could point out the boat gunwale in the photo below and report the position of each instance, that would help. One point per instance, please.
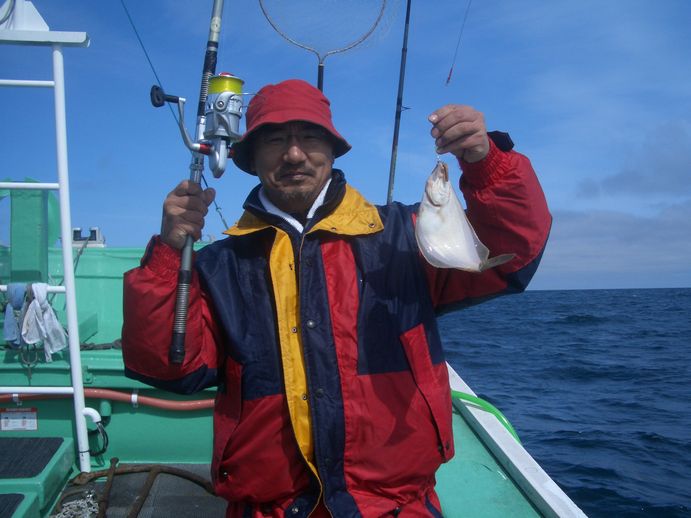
(535, 483)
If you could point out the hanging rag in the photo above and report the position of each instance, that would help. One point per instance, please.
(13, 314)
(41, 324)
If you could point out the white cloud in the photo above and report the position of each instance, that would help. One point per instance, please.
(615, 249)
(661, 167)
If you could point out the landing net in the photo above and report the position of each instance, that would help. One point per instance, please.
(325, 27)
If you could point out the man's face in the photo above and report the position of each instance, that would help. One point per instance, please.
(293, 162)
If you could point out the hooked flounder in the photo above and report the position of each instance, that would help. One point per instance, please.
(443, 232)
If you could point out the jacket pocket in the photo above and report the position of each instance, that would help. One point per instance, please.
(433, 382)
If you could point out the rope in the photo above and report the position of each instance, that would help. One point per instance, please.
(8, 13)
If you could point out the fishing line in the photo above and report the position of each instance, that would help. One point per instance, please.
(216, 207)
(458, 43)
(158, 81)
(146, 54)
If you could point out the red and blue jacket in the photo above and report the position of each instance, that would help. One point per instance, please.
(333, 392)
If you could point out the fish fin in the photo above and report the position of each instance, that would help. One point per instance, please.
(496, 261)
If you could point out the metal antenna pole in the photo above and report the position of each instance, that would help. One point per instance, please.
(399, 106)
(176, 354)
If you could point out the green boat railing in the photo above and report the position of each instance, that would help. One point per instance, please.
(488, 407)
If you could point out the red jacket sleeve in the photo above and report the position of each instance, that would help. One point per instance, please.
(148, 313)
(509, 213)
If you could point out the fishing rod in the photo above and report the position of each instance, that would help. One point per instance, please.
(399, 100)
(399, 106)
(218, 125)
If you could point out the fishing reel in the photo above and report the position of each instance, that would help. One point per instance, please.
(219, 126)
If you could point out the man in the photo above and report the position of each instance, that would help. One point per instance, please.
(316, 316)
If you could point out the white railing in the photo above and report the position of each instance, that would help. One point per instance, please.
(42, 36)
(35, 186)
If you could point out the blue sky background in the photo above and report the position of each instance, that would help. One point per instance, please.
(597, 94)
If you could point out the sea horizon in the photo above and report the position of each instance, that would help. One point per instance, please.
(610, 289)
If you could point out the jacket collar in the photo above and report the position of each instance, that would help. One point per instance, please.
(345, 211)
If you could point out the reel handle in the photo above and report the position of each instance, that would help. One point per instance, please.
(159, 97)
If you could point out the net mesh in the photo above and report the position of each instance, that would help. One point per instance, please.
(328, 26)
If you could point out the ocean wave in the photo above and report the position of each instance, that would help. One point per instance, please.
(591, 373)
(599, 501)
(582, 319)
(597, 384)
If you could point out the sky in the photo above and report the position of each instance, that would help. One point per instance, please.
(596, 94)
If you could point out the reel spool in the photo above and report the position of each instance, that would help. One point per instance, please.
(223, 111)
(223, 108)
(222, 114)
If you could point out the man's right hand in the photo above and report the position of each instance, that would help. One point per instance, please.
(183, 213)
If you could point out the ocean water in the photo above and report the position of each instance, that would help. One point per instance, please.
(597, 384)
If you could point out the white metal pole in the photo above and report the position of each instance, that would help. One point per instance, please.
(68, 268)
(50, 289)
(37, 390)
(30, 186)
(26, 82)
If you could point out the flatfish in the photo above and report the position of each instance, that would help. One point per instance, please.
(445, 236)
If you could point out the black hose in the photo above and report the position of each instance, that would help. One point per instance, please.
(101, 430)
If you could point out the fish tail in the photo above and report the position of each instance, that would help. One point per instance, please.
(496, 261)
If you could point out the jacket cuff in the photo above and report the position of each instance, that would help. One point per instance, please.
(484, 172)
(162, 259)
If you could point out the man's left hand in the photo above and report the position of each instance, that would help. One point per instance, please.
(460, 130)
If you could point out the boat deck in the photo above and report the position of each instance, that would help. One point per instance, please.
(169, 495)
(471, 484)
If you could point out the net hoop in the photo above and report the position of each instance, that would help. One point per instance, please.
(321, 57)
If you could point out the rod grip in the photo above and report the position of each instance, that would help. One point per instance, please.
(176, 352)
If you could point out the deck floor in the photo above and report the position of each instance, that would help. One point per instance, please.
(169, 495)
(471, 484)
(474, 484)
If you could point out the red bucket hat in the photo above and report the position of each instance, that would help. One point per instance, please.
(290, 100)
